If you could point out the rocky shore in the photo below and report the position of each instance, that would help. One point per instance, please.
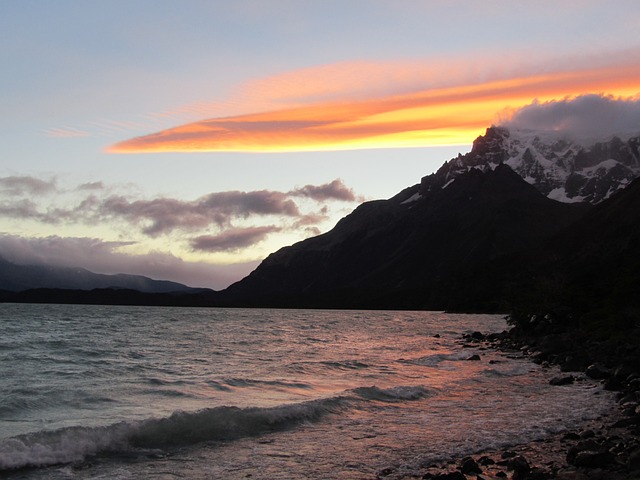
(604, 449)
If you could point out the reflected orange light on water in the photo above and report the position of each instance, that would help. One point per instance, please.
(442, 116)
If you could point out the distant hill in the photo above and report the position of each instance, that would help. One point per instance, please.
(15, 278)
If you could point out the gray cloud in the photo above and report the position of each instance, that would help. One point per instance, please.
(165, 214)
(23, 185)
(156, 216)
(91, 186)
(587, 117)
(22, 209)
(102, 257)
(335, 190)
(162, 215)
(25, 198)
(233, 239)
(262, 202)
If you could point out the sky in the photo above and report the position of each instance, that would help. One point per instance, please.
(188, 140)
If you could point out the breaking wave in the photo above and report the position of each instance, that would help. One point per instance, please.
(220, 424)
(437, 358)
(394, 394)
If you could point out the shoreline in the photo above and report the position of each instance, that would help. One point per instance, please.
(606, 448)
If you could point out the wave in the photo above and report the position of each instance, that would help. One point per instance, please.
(394, 394)
(248, 382)
(219, 424)
(346, 365)
(74, 444)
(437, 358)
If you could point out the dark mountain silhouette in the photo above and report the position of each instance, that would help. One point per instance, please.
(473, 236)
(401, 252)
(589, 272)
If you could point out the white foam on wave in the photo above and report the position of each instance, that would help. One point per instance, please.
(435, 359)
(75, 444)
(393, 394)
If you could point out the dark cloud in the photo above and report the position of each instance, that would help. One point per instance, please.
(243, 204)
(587, 117)
(20, 209)
(161, 216)
(232, 239)
(335, 190)
(91, 186)
(24, 185)
(102, 257)
(165, 214)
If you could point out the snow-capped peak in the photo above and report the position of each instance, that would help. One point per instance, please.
(561, 169)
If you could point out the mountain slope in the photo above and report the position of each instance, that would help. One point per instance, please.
(589, 271)
(396, 253)
(459, 238)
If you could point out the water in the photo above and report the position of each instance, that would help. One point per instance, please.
(139, 392)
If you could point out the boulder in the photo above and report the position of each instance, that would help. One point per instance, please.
(564, 380)
(591, 459)
(519, 465)
(597, 371)
(583, 446)
(634, 460)
(469, 466)
(445, 476)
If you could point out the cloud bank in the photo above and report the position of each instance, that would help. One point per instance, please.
(23, 185)
(356, 105)
(103, 257)
(586, 117)
(162, 215)
(233, 223)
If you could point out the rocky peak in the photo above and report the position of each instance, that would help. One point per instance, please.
(557, 167)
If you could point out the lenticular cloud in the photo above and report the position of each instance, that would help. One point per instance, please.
(587, 117)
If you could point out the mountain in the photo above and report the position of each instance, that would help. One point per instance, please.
(559, 168)
(16, 278)
(401, 252)
(524, 223)
(457, 240)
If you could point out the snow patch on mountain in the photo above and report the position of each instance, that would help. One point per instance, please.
(562, 169)
(413, 198)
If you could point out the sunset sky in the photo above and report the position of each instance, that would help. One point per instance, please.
(188, 140)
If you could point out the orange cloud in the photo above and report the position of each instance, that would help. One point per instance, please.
(449, 112)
